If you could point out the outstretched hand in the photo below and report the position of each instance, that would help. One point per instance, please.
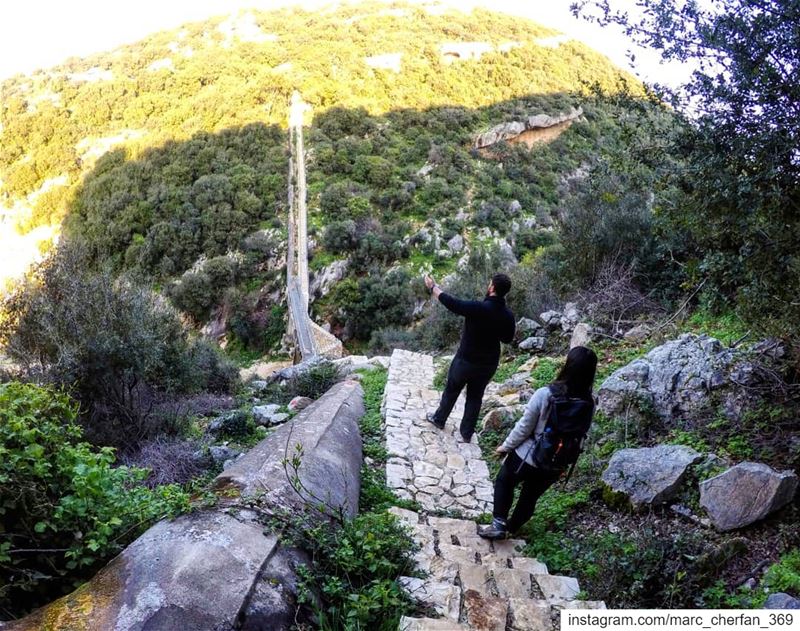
(500, 453)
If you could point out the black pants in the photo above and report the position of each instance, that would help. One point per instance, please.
(475, 377)
(534, 483)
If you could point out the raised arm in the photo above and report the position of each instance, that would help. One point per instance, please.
(461, 307)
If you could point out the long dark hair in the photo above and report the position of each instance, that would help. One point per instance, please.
(577, 373)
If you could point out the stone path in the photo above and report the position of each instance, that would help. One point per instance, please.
(435, 468)
(470, 583)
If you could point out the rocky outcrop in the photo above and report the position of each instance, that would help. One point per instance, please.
(510, 130)
(745, 494)
(324, 279)
(329, 472)
(649, 475)
(683, 377)
(675, 379)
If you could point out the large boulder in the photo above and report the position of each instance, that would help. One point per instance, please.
(581, 335)
(196, 572)
(650, 475)
(745, 494)
(322, 280)
(330, 468)
(674, 379)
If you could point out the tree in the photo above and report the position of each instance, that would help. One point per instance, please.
(741, 193)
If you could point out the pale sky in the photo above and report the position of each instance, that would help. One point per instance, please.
(42, 33)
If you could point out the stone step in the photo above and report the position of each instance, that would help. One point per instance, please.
(471, 582)
(443, 598)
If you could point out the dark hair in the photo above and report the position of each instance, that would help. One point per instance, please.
(577, 373)
(502, 284)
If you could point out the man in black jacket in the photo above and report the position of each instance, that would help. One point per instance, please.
(487, 322)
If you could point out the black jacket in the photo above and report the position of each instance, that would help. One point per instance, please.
(487, 323)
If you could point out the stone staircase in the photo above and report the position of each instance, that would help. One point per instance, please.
(470, 583)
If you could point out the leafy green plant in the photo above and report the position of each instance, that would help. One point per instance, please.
(64, 506)
(315, 381)
(508, 369)
(784, 576)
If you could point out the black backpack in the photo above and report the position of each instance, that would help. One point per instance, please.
(561, 442)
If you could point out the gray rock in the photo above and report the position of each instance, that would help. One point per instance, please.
(581, 335)
(570, 318)
(232, 423)
(551, 319)
(637, 334)
(506, 252)
(274, 601)
(781, 601)
(456, 244)
(514, 207)
(650, 475)
(675, 378)
(257, 385)
(529, 328)
(533, 344)
(324, 279)
(330, 468)
(221, 453)
(745, 494)
(771, 348)
(195, 572)
(266, 414)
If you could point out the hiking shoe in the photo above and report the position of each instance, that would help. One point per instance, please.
(432, 420)
(496, 530)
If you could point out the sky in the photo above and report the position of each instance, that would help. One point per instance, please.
(42, 33)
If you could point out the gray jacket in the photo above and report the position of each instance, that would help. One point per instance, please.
(532, 423)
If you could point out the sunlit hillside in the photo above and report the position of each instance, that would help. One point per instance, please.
(234, 70)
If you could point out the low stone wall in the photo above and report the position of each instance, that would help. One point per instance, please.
(218, 569)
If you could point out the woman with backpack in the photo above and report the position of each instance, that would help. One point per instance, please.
(544, 443)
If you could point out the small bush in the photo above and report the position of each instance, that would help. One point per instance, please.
(119, 346)
(355, 570)
(169, 461)
(64, 507)
(315, 381)
(384, 341)
(784, 576)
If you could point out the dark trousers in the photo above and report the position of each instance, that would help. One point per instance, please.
(534, 483)
(475, 377)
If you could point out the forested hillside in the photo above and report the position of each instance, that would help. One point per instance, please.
(629, 219)
(169, 156)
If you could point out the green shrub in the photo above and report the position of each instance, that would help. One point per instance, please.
(315, 381)
(784, 576)
(355, 571)
(64, 507)
(119, 346)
